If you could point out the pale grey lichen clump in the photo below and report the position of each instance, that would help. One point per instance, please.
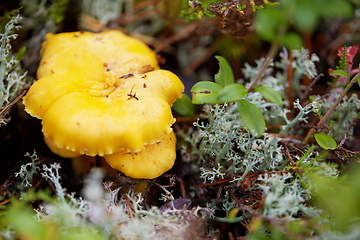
(104, 212)
(12, 77)
(221, 134)
(27, 171)
(343, 116)
(284, 196)
(275, 75)
(105, 10)
(225, 139)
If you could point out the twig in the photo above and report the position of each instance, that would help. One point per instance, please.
(203, 57)
(5, 202)
(231, 237)
(181, 181)
(327, 114)
(308, 89)
(246, 225)
(130, 210)
(288, 154)
(9, 72)
(22, 93)
(182, 34)
(270, 56)
(348, 152)
(215, 183)
(348, 132)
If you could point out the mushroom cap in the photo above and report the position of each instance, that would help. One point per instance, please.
(100, 93)
(150, 163)
(62, 152)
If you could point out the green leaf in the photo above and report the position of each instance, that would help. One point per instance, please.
(202, 86)
(251, 117)
(225, 76)
(292, 41)
(22, 221)
(268, 22)
(306, 16)
(205, 98)
(341, 73)
(270, 94)
(325, 141)
(338, 196)
(20, 54)
(205, 92)
(232, 93)
(184, 106)
(337, 8)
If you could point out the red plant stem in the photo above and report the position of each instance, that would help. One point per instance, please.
(215, 183)
(289, 78)
(292, 163)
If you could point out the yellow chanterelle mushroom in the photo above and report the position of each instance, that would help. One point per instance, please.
(104, 94)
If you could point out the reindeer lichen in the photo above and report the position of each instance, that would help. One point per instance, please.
(12, 77)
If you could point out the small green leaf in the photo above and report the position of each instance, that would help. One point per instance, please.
(20, 54)
(202, 86)
(306, 16)
(341, 73)
(205, 98)
(184, 106)
(292, 41)
(233, 213)
(23, 222)
(251, 117)
(232, 93)
(270, 94)
(268, 22)
(205, 92)
(325, 141)
(225, 76)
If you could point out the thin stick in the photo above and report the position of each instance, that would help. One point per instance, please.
(23, 92)
(201, 59)
(215, 183)
(327, 114)
(130, 210)
(348, 132)
(181, 181)
(288, 154)
(5, 202)
(270, 56)
(308, 89)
